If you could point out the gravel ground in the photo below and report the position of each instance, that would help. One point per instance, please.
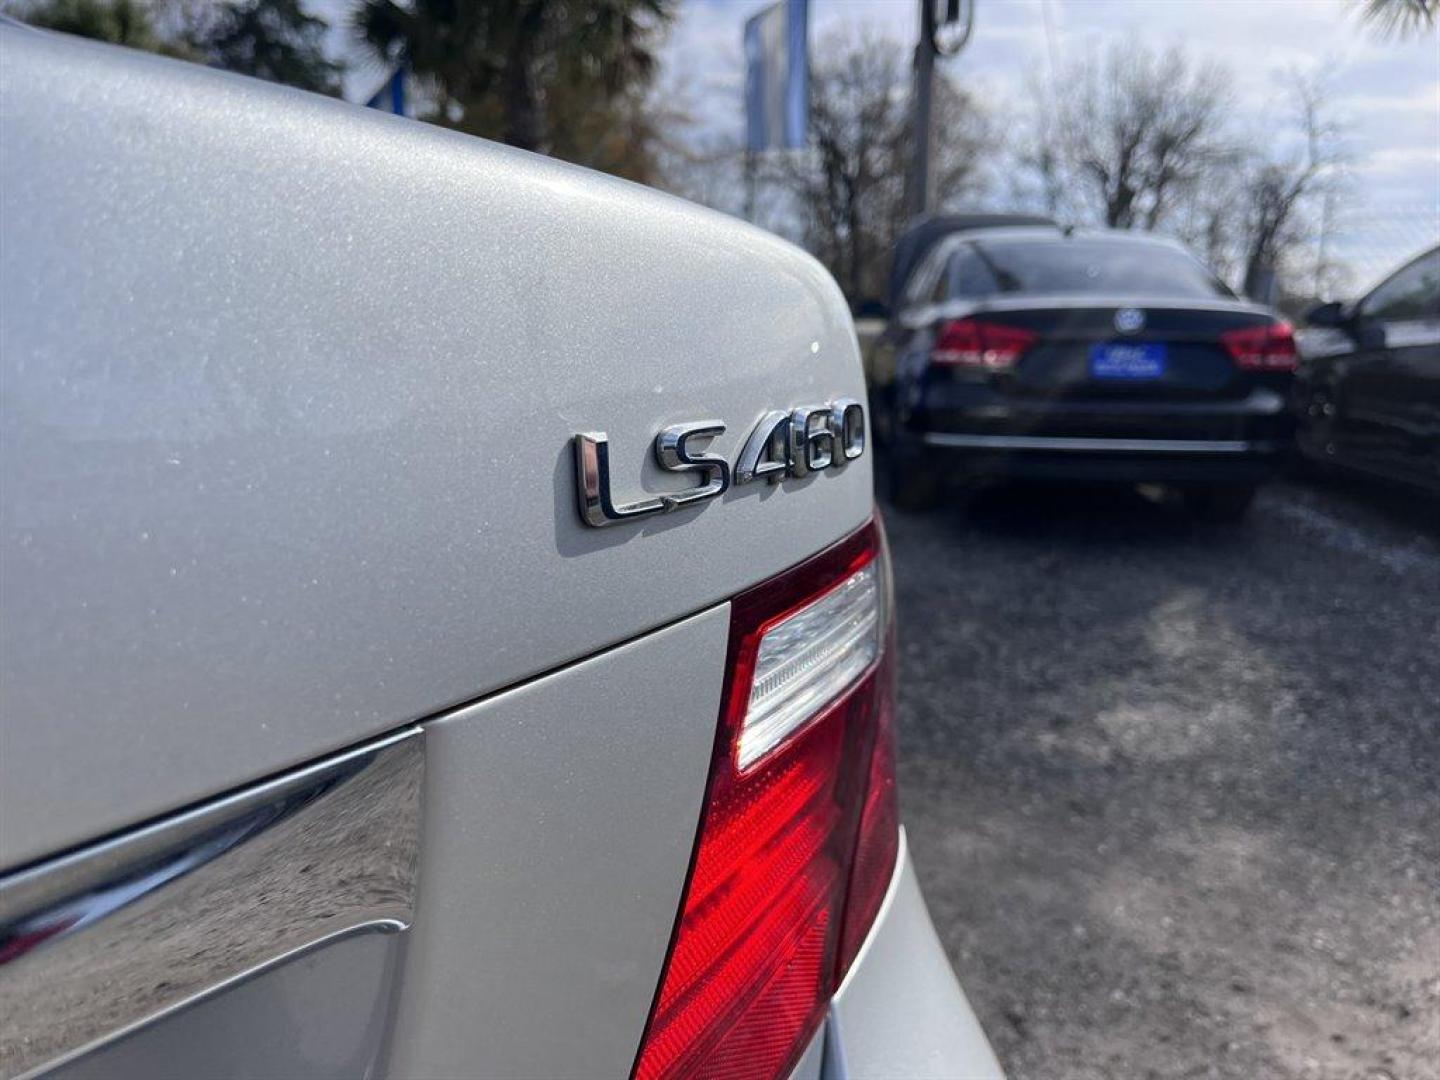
(1173, 790)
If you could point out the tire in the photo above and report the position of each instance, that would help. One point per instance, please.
(914, 486)
(1219, 503)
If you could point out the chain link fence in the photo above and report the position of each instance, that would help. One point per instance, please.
(1364, 245)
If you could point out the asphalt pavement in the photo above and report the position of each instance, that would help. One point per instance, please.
(1173, 789)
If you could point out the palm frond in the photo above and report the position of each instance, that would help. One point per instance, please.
(1400, 18)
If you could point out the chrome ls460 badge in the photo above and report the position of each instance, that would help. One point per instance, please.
(801, 441)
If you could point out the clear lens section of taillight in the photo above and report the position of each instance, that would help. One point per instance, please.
(799, 831)
(808, 658)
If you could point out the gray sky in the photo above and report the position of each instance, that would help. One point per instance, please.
(1386, 93)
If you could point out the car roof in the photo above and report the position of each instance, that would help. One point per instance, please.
(922, 235)
(944, 249)
(1397, 269)
(1059, 235)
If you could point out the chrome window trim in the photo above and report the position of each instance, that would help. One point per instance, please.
(99, 942)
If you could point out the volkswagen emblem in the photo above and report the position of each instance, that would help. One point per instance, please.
(1129, 320)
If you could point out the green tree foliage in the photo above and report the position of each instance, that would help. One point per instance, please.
(1401, 18)
(849, 187)
(562, 78)
(270, 39)
(1134, 133)
(1136, 138)
(120, 22)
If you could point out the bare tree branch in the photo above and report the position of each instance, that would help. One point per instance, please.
(850, 186)
(1138, 132)
(1277, 188)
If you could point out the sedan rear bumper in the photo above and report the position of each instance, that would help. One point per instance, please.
(979, 412)
(1118, 460)
(971, 431)
(1256, 463)
(1096, 445)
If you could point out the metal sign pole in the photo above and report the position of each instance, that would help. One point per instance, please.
(945, 27)
(920, 98)
(751, 182)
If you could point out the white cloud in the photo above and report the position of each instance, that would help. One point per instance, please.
(1387, 92)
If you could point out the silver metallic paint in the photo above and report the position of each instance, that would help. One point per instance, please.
(283, 380)
(812, 1063)
(289, 390)
(559, 821)
(900, 1013)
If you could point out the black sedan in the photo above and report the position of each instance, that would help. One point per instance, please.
(1370, 381)
(1041, 352)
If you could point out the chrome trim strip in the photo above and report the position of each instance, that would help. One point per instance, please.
(98, 942)
(1039, 442)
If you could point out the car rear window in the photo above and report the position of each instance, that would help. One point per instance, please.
(990, 267)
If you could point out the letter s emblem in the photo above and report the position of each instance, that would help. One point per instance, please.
(672, 451)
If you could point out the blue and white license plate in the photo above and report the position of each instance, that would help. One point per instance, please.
(1127, 360)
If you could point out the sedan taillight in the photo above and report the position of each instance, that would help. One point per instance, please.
(799, 831)
(985, 346)
(1262, 348)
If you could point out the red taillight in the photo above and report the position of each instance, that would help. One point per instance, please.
(879, 840)
(971, 343)
(1262, 348)
(803, 759)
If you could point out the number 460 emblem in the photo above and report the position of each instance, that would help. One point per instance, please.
(809, 439)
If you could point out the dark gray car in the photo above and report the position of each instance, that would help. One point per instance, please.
(1370, 379)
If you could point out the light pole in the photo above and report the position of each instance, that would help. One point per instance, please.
(945, 27)
(921, 94)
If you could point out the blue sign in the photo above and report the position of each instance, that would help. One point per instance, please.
(391, 95)
(777, 77)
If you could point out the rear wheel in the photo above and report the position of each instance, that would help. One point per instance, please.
(1219, 503)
